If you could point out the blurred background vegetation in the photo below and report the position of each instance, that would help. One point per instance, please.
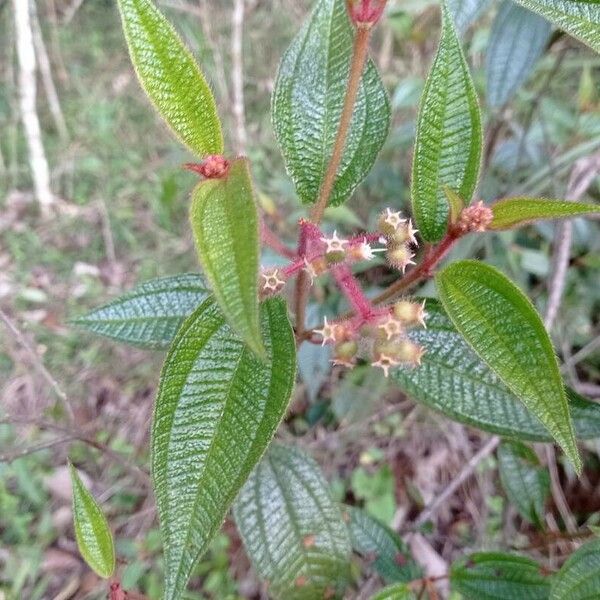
(121, 218)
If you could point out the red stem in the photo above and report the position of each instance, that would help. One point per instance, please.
(351, 288)
(270, 239)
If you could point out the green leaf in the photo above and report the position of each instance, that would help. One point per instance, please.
(514, 212)
(579, 577)
(517, 40)
(466, 12)
(217, 409)
(376, 542)
(224, 220)
(525, 482)
(398, 591)
(448, 141)
(503, 327)
(580, 18)
(292, 530)
(307, 106)
(171, 78)
(93, 535)
(150, 315)
(453, 380)
(495, 576)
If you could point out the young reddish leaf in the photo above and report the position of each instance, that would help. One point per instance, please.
(494, 575)
(453, 380)
(150, 315)
(579, 577)
(217, 409)
(224, 220)
(171, 78)
(94, 539)
(514, 212)
(292, 530)
(580, 18)
(502, 326)
(517, 40)
(308, 100)
(448, 142)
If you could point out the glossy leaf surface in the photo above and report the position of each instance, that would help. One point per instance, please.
(517, 40)
(93, 535)
(292, 530)
(514, 212)
(217, 409)
(579, 577)
(448, 141)
(494, 575)
(307, 106)
(224, 220)
(502, 326)
(171, 78)
(525, 482)
(580, 18)
(384, 548)
(150, 315)
(453, 380)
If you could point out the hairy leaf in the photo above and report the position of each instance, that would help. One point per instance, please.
(514, 212)
(517, 40)
(150, 315)
(579, 577)
(398, 591)
(580, 18)
(224, 220)
(448, 141)
(93, 535)
(466, 12)
(217, 409)
(494, 575)
(525, 482)
(307, 106)
(171, 78)
(503, 327)
(376, 542)
(453, 380)
(292, 530)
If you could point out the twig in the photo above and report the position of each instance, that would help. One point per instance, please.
(27, 95)
(47, 79)
(237, 74)
(582, 354)
(583, 174)
(22, 452)
(557, 492)
(457, 481)
(37, 363)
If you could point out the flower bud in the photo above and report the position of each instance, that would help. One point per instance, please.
(410, 313)
(405, 234)
(365, 12)
(335, 257)
(390, 221)
(214, 166)
(345, 353)
(476, 217)
(409, 352)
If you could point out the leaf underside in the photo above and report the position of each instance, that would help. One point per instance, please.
(92, 532)
(517, 40)
(453, 380)
(171, 78)
(150, 315)
(292, 530)
(307, 106)
(466, 12)
(449, 136)
(500, 323)
(217, 409)
(224, 221)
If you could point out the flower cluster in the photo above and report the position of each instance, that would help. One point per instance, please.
(400, 237)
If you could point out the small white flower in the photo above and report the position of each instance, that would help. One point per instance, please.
(334, 243)
(385, 363)
(391, 327)
(394, 219)
(410, 233)
(310, 269)
(272, 283)
(327, 332)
